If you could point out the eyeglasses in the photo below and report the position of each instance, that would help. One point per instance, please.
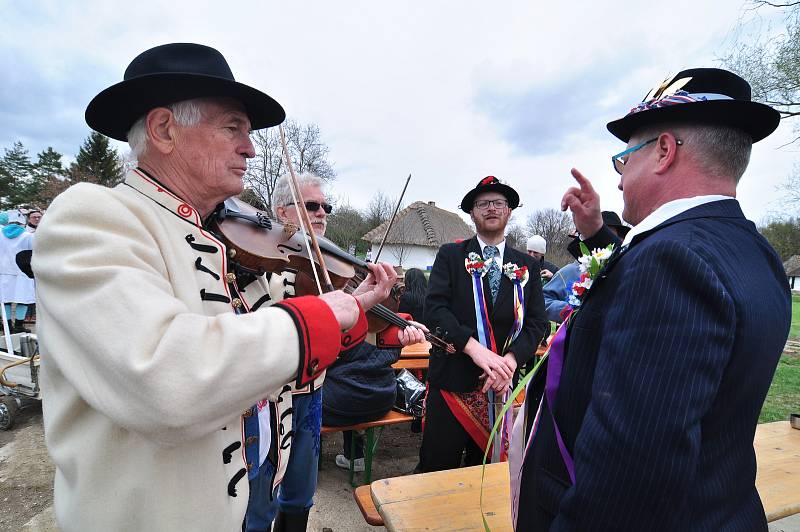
(484, 204)
(313, 206)
(619, 160)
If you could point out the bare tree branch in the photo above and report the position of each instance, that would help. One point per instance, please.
(554, 226)
(309, 154)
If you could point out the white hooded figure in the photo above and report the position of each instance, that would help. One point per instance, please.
(15, 286)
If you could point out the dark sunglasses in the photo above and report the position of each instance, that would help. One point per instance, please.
(313, 206)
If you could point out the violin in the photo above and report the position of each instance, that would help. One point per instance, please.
(304, 285)
(259, 244)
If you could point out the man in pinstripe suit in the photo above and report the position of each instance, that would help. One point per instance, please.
(668, 359)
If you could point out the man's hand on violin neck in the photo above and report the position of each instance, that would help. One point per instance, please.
(413, 334)
(376, 287)
(343, 306)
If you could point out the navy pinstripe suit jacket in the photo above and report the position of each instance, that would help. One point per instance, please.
(667, 365)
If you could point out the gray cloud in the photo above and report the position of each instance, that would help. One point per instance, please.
(42, 101)
(540, 119)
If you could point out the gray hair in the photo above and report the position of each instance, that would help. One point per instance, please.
(187, 113)
(721, 151)
(282, 193)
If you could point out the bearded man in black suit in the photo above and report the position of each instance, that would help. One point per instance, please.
(488, 298)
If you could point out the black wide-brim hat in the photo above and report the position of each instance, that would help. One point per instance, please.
(490, 184)
(171, 73)
(611, 219)
(700, 96)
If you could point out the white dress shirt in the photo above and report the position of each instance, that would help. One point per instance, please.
(501, 249)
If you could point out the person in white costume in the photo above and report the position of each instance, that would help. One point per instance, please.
(15, 286)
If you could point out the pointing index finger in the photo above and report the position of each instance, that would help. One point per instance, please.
(585, 184)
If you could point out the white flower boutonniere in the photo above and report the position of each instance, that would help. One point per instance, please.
(475, 264)
(590, 266)
(516, 273)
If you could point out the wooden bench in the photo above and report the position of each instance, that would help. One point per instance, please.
(449, 500)
(420, 350)
(363, 497)
(411, 363)
(371, 445)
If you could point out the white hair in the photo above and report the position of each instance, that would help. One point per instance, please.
(282, 194)
(187, 113)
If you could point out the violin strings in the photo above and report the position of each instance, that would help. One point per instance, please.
(392, 318)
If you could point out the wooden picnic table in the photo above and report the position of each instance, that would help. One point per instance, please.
(423, 349)
(411, 363)
(777, 448)
(420, 350)
(449, 500)
(445, 500)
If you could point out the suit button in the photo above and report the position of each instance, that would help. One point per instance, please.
(231, 277)
(249, 466)
(236, 303)
(248, 412)
(312, 368)
(250, 440)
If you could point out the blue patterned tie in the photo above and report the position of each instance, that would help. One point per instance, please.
(489, 252)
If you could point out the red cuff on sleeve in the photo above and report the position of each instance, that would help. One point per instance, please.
(355, 334)
(387, 338)
(318, 334)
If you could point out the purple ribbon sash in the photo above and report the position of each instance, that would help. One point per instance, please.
(554, 366)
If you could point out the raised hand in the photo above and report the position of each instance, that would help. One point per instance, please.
(584, 203)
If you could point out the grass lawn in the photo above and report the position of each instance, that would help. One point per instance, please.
(784, 393)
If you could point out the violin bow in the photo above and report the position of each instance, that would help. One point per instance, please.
(305, 220)
(391, 221)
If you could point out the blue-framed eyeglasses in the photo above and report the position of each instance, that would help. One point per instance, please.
(621, 158)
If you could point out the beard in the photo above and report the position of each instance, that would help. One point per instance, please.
(495, 224)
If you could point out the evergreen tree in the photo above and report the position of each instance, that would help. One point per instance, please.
(16, 173)
(47, 171)
(98, 162)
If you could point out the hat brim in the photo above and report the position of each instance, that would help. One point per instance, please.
(622, 230)
(114, 110)
(510, 194)
(756, 119)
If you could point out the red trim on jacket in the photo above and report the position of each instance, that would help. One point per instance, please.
(357, 333)
(388, 338)
(318, 334)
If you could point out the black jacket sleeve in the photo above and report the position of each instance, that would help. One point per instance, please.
(441, 292)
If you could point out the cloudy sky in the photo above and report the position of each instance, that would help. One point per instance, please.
(447, 91)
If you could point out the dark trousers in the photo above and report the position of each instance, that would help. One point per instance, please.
(444, 440)
(348, 451)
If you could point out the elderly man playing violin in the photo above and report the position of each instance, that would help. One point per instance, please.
(151, 356)
(290, 505)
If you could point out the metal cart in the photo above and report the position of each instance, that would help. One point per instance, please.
(19, 376)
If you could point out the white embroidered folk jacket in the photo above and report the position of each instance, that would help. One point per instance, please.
(146, 367)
